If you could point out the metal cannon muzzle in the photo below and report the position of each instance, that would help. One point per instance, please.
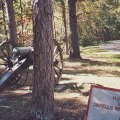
(21, 51)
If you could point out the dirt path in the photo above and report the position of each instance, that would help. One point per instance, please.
(71, 94)
(75, 84)
(113, 46)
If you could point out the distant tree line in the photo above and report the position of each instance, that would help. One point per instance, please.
(97, 20)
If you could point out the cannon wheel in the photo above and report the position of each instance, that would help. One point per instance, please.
(58, 61)
(7, 62)
(6, 48)
(19, 78)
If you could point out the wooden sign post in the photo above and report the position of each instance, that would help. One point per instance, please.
(103, 104)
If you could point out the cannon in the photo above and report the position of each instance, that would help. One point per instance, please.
(15, 62)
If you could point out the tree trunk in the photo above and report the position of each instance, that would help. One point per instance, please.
(3, 13)
(106, 34)
(65, 25)
(11, 21)
(75, 51)
(43, 83)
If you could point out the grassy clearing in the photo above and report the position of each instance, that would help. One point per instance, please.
(96, 61)
(91, 67)
(97, 52)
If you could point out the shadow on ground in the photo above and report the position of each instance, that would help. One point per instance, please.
(69, 109)
(15, 104)
(87, 66)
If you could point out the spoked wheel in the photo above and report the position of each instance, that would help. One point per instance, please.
(6, 62)
(58, 61)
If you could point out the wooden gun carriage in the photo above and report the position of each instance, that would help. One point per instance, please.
(15, 62)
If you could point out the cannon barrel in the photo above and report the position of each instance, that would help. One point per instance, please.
(19, 51)
(14, 59)
(24, 60)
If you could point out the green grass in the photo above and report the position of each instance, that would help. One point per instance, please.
(97, 52)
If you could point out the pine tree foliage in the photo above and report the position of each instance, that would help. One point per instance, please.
(97, 20)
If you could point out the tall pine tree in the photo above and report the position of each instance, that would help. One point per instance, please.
(43, 86)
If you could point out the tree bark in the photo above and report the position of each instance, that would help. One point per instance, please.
(43, 82)
(11, 21)
(65, 25)
(3, 13)
(75, 51)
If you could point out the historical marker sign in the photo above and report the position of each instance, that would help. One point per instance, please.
(103, 104)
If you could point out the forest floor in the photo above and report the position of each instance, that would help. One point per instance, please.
(71, 94)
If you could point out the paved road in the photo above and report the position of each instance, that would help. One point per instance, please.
(113, 46)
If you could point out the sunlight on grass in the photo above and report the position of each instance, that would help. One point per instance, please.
(96, 61)
(88, 68)
(65, 95)
(92, 50)
(97, 52)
